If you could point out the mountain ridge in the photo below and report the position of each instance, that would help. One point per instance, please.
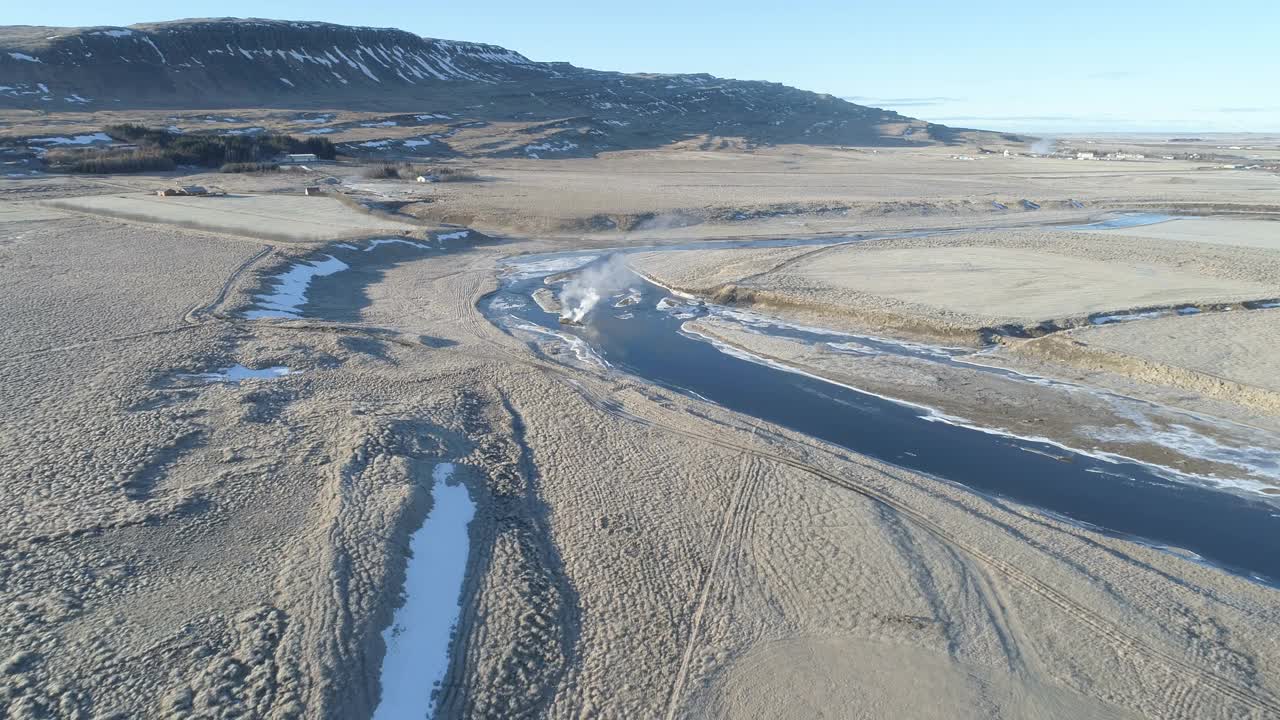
(231, 62)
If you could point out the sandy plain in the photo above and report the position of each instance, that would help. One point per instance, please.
(961, 287)
(294, 217)
(1242, 231)
(1225, 357)
(178, 548)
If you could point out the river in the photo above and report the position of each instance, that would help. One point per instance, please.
(1135, 501)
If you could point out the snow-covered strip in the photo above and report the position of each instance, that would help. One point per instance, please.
(395, 241)
(291, 291)
(458, 235)
(562, 146)
(117, 33)
(148, 41)
(418, 639)
(76, 140)
(416, 142)
(286, 81)
(581, 348)
(24, 57)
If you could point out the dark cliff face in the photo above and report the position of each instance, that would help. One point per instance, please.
(267, 63)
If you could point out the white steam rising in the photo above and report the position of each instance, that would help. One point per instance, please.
(1043, 146)
(595, 282)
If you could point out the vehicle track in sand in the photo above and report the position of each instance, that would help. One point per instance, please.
(1119, 638)
(731, 528)
(197, 313)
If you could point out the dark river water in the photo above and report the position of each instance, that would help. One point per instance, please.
(1125, 499)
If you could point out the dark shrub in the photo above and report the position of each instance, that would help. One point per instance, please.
(248, 167)
(384, 171)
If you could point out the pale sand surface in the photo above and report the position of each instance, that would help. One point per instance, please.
(1025, 284)
(173, 548)
(952, 286)
(1244, 232)
(1237, 346)
(1228, 357)
(919, 182)
(277, 217)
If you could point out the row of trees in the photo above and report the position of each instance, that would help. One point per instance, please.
(210, 150)
(105, 162)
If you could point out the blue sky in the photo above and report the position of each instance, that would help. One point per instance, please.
(1033, 66)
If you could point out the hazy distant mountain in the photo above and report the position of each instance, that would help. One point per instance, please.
(234, 63)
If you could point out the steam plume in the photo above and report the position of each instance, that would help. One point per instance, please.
(596, 281)
(1043, 146)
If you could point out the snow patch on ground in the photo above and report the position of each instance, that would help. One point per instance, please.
(517, 270)
(580, 348)
(418, 639)
(389, 241)
(565, 146)
(77, 140)
(291, 292)
(1125, 317)
(238, 372)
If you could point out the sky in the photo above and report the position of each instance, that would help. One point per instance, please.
(1030, 66)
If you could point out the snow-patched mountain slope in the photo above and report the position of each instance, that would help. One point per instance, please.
(218, 56)
(270, 63)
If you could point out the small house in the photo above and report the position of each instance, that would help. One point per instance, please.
(295, 158)
(185, 190)
(312, 191)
